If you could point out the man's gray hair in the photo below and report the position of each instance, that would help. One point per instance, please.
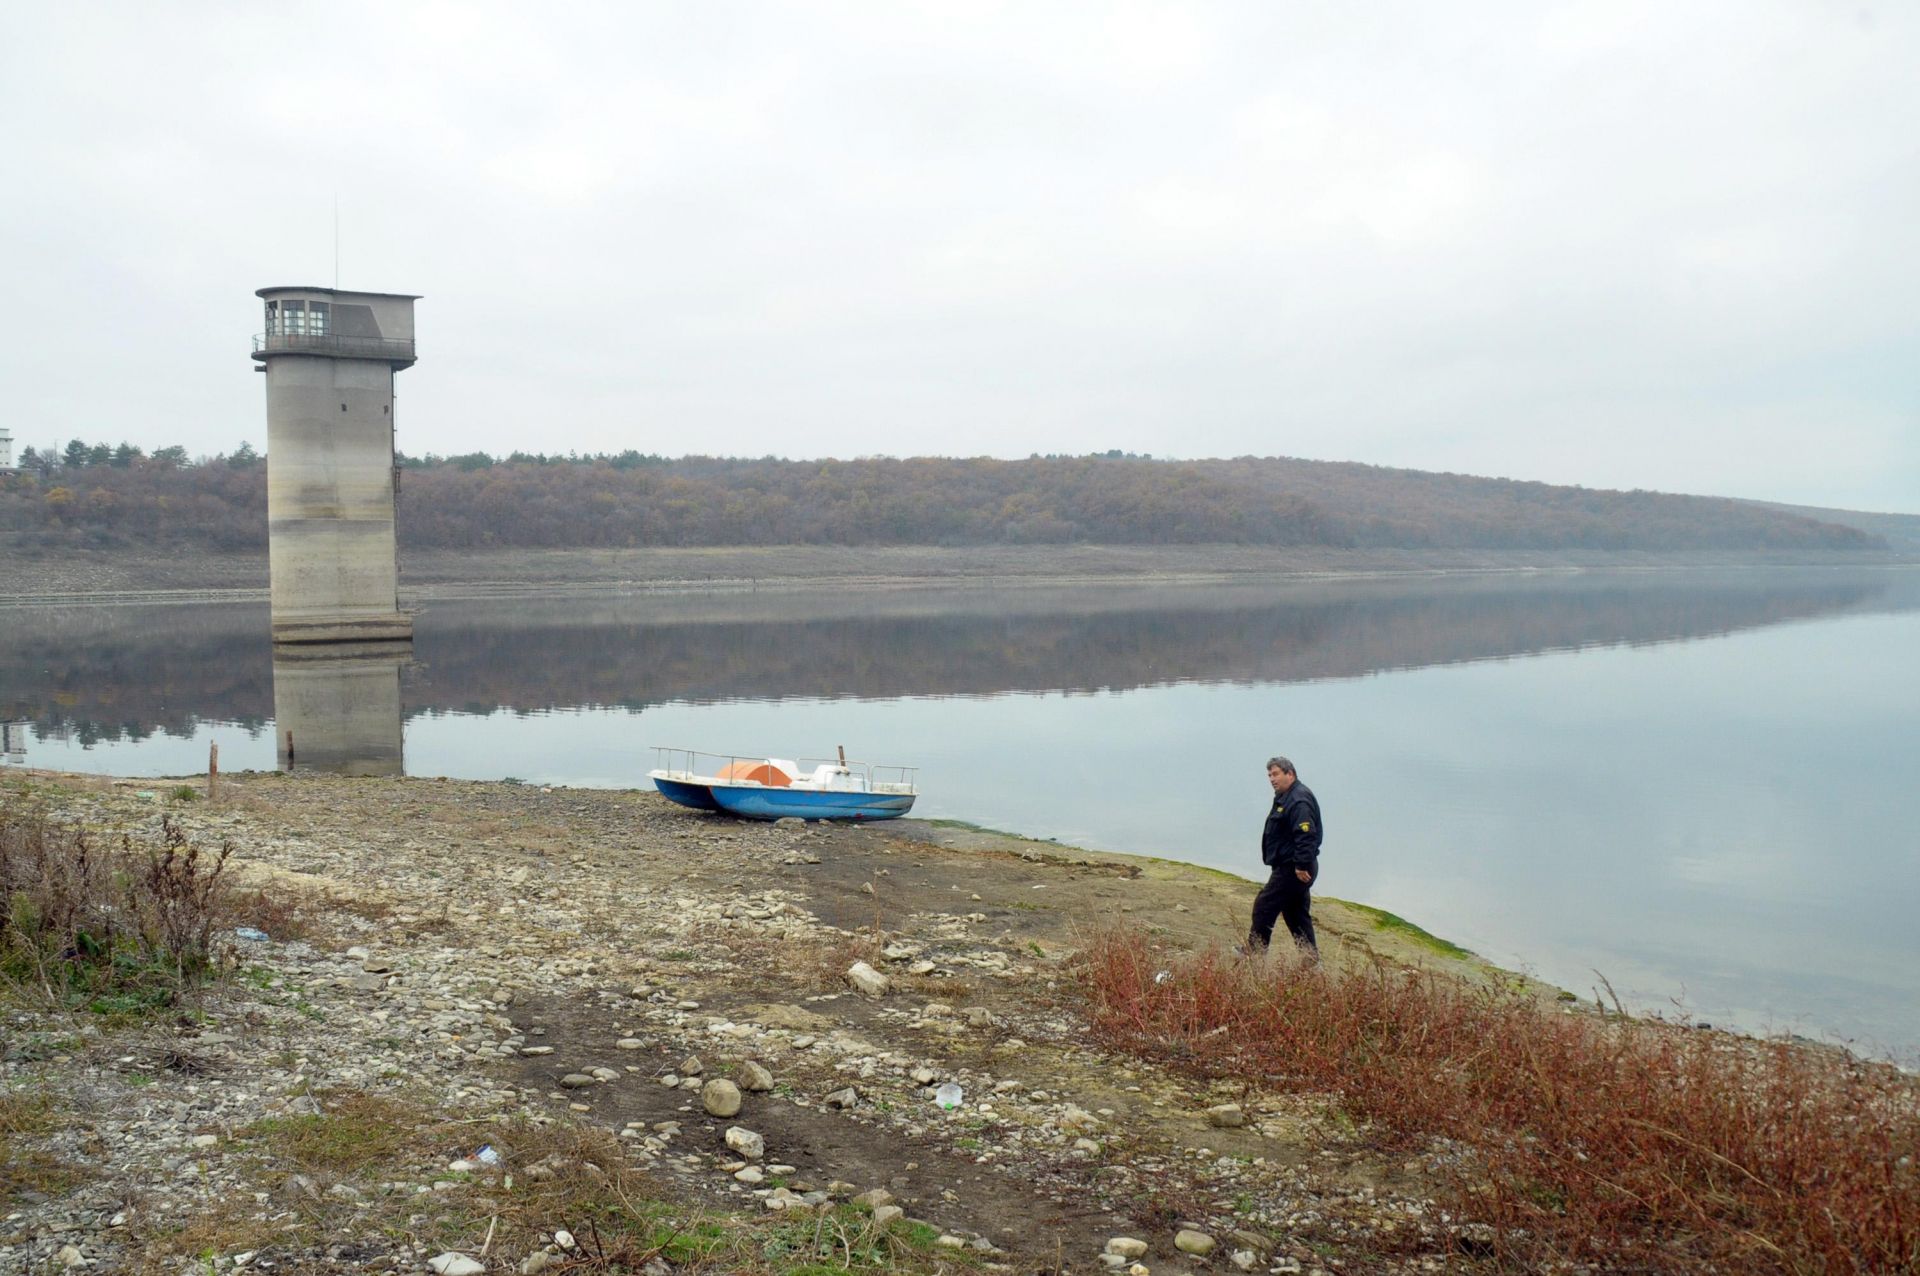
(1283, 764)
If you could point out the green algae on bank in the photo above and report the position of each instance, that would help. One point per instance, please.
(1408, 939)
(1383, 920)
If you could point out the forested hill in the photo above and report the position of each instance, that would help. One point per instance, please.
(475, 502)
(1901, 532)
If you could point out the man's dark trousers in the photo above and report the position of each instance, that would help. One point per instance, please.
(1284, 896)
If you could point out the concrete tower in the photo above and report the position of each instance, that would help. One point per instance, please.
(330, 357)
(6, 448)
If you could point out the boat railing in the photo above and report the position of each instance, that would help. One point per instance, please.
(877, 777)
(692, 765)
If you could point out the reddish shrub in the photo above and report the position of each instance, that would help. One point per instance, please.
(1617, 1141)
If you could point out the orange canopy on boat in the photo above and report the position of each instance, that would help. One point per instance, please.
(762, 772)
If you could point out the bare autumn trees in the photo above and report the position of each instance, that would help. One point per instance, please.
(630, 500)
(924, 501)
(214, 507)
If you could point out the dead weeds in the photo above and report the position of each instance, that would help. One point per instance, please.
(26, 1166)
(1575, 1138)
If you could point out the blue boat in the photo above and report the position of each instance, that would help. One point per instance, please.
(782, 788)
(686, 793)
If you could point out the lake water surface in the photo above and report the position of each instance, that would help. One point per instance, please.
(1697, 785)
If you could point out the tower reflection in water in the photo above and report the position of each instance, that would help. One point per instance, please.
(336, 707)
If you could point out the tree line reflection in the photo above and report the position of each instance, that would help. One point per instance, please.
(124, 674)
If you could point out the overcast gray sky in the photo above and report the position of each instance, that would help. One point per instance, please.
(1668, 245)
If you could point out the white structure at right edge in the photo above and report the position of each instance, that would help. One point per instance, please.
(330, 357)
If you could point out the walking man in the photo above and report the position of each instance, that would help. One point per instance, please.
(1290, 848)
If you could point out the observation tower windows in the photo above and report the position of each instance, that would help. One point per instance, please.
(298, 318)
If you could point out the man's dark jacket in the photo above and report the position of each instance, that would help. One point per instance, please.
(1291, 838)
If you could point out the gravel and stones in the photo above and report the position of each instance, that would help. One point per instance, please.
(477, 955)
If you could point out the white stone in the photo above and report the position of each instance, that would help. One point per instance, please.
(1226, 1116)
(720, 1098)
(452, 1264)
(867, 981)
(746, 1142)
(1078, 1118)
(1188, 1241)
(1127, 1247)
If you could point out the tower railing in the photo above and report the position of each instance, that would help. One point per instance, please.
(328, 343)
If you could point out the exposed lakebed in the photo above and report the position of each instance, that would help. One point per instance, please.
(1688, 784)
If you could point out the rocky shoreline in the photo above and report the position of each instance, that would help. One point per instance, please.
(757, 1018)
(125, 578)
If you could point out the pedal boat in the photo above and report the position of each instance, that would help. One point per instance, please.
(783, 788)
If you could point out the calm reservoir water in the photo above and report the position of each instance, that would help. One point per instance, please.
(1698, 785)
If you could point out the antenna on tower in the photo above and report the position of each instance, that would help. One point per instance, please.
(336, 240)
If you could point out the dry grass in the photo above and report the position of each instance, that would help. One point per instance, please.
(284, 914)
(24, 1166)
(115, 926)
(232, 1226)
(351, 1134)
(551, 1176)
(803, 963)
(1629, 1144)
(356, 1139)
(579, 1178)
(294, 910)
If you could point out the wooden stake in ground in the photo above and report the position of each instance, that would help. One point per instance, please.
(213, 770)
